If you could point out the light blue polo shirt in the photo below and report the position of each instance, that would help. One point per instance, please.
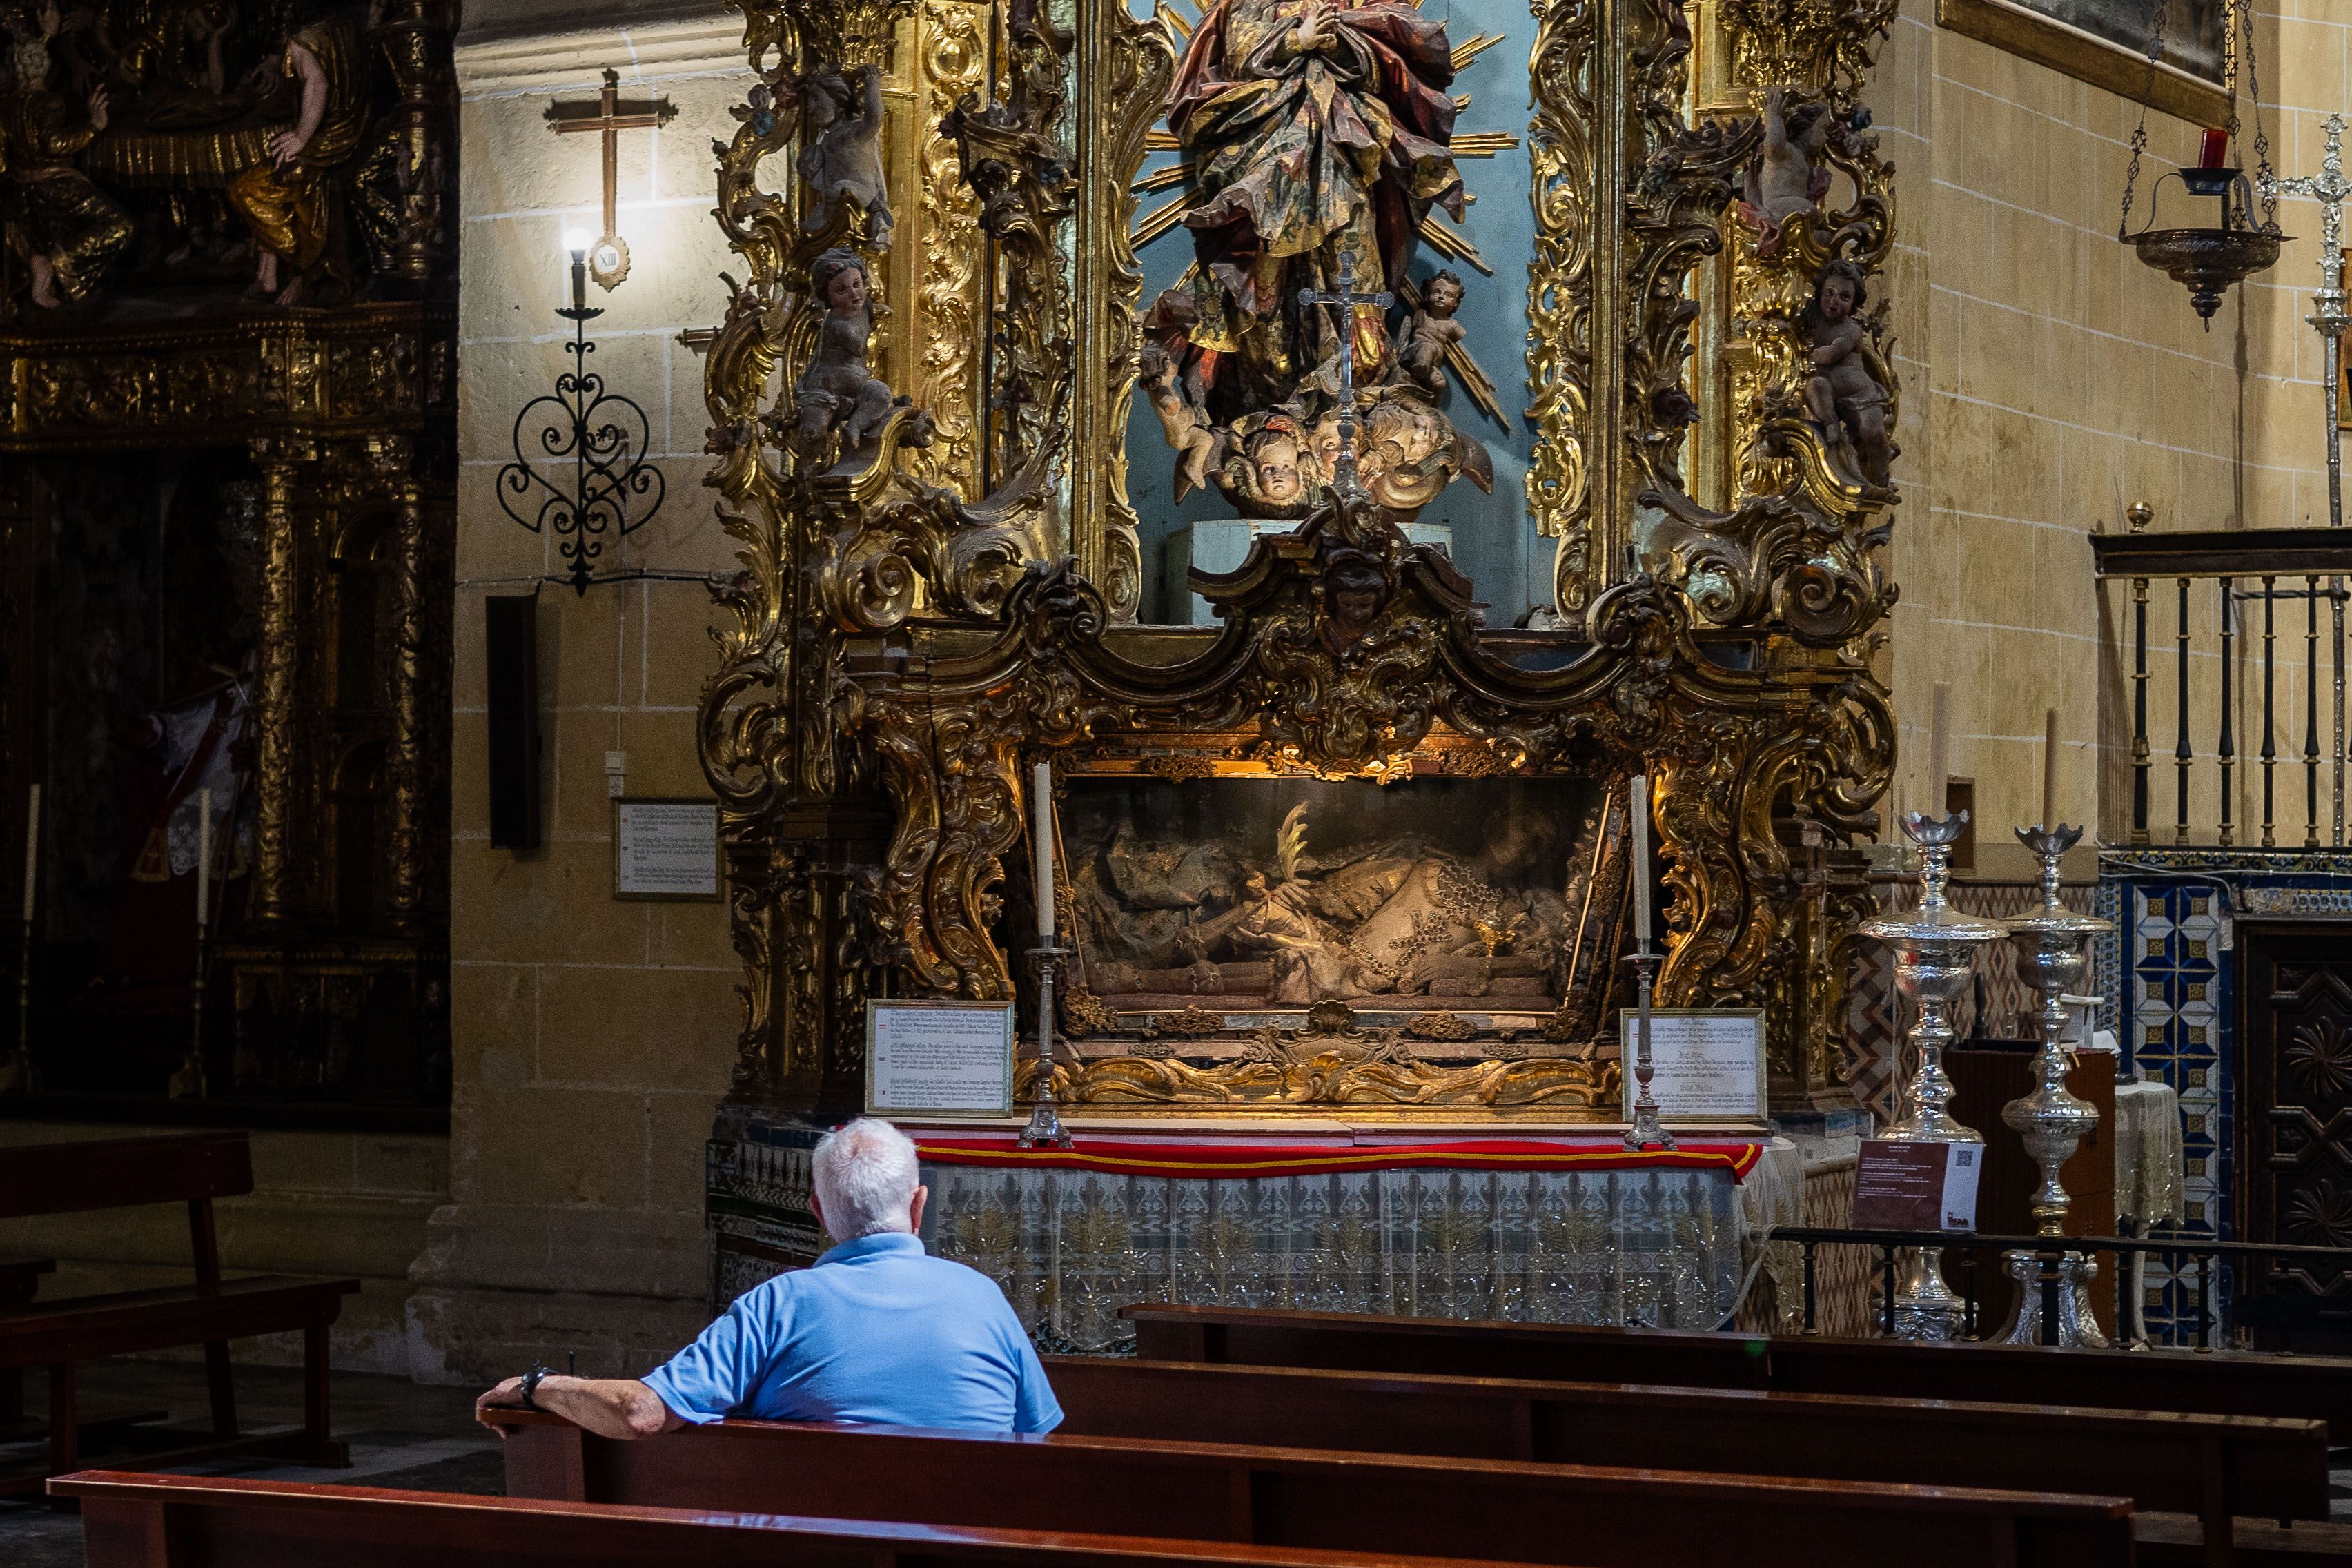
(874, 1332)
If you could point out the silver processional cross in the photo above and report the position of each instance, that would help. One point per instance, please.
(2330, 190)
(1346, 299)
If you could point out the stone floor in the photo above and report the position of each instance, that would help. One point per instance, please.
(401, 1436)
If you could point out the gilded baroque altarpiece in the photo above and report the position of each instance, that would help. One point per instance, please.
(194, 286)
(920, 405)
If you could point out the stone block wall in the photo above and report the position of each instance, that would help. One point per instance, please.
(2050, 380)
(591, 1037)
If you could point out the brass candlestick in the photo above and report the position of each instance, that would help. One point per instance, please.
(2052, 1286)
(1935, 960)
(1646, 1133)
(1046, 1130)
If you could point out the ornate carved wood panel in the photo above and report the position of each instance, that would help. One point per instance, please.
(2295, 1104)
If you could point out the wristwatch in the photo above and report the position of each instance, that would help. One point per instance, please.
(531, 1385)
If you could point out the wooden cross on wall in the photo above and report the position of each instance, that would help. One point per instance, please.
(608, 260)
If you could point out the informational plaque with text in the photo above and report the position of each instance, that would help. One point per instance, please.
(666, 849)
(1916, 1186)
(1709, 1062)
(939, 1059)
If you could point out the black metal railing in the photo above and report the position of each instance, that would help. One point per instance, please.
(2207, 1253)
(2312, 564)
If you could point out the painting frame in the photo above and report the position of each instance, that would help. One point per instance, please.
(2344, 373)
(2019, 29)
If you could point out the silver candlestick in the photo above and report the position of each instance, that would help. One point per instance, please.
(1935, 960)
(2052, 1288)
(1046, 1130)
(1645, 1131)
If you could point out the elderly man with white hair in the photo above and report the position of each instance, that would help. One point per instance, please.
(876, 1331)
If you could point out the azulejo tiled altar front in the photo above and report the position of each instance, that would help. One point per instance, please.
(1538, 1229)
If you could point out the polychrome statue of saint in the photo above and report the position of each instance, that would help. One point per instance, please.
(1314, 130)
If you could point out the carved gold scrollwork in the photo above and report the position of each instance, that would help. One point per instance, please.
(1560, 284)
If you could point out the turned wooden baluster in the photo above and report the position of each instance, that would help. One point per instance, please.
(2181, 753)
(2139, 515)
(2229, 676)
(2269, 726)
(2311, 713)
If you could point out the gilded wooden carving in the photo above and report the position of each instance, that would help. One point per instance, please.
(922, 614)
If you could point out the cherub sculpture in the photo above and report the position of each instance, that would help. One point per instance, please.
(1430, 332)
(837, 391)
(841, 151)
(1844, 394)
(1787, 178)
(1271, 474)
(1188, 430)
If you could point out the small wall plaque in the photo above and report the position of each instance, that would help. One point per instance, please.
(666, 849)
(939, 1059)
(1709, 1062)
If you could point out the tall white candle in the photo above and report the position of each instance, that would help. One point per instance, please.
(1640, 811)
(32, 849)
(1041, 790)
(203, 858)
(2050, 767)
(1939, 756)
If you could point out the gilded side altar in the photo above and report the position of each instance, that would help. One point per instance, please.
(1358, 850)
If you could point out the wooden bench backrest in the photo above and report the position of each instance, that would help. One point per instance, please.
(1285, 1497)
(121, 1173)
(165, 1521)
(2256, 1466)
(2316, 1388)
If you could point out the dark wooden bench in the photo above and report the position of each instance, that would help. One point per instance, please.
(184, 1521)
(2313, 1388)
(20, 1281)
(192, 1168)
(1384, 1503)
(2210, 1467)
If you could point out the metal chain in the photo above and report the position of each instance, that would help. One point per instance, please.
(2263, 180)
(2139, 135)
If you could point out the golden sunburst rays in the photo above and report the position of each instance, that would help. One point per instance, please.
(1452, 243)
(1464, 53)
(1470, 144)
(1165, 179)
(1175, 21)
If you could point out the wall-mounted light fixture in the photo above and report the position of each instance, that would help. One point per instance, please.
(603, 437)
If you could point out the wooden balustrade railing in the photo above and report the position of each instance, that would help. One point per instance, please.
(2313, 564)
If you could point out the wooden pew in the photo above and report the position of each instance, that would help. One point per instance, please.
(1490, 1509)
(188, 1522)
(192, 1168)
(2213, 1467)
(2316, 1388)
(20, 1281)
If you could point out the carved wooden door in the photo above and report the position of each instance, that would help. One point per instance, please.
(2294, 1116)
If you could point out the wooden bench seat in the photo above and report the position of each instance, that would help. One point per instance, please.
(192, 1168)
(185, 1521)
(2316, 1388)
(1384, 1503)
(2215, 1467)
(20, 1281)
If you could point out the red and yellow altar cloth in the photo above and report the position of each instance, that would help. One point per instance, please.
(1195, 1158)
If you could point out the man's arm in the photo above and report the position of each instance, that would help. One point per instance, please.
(619, 1408)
